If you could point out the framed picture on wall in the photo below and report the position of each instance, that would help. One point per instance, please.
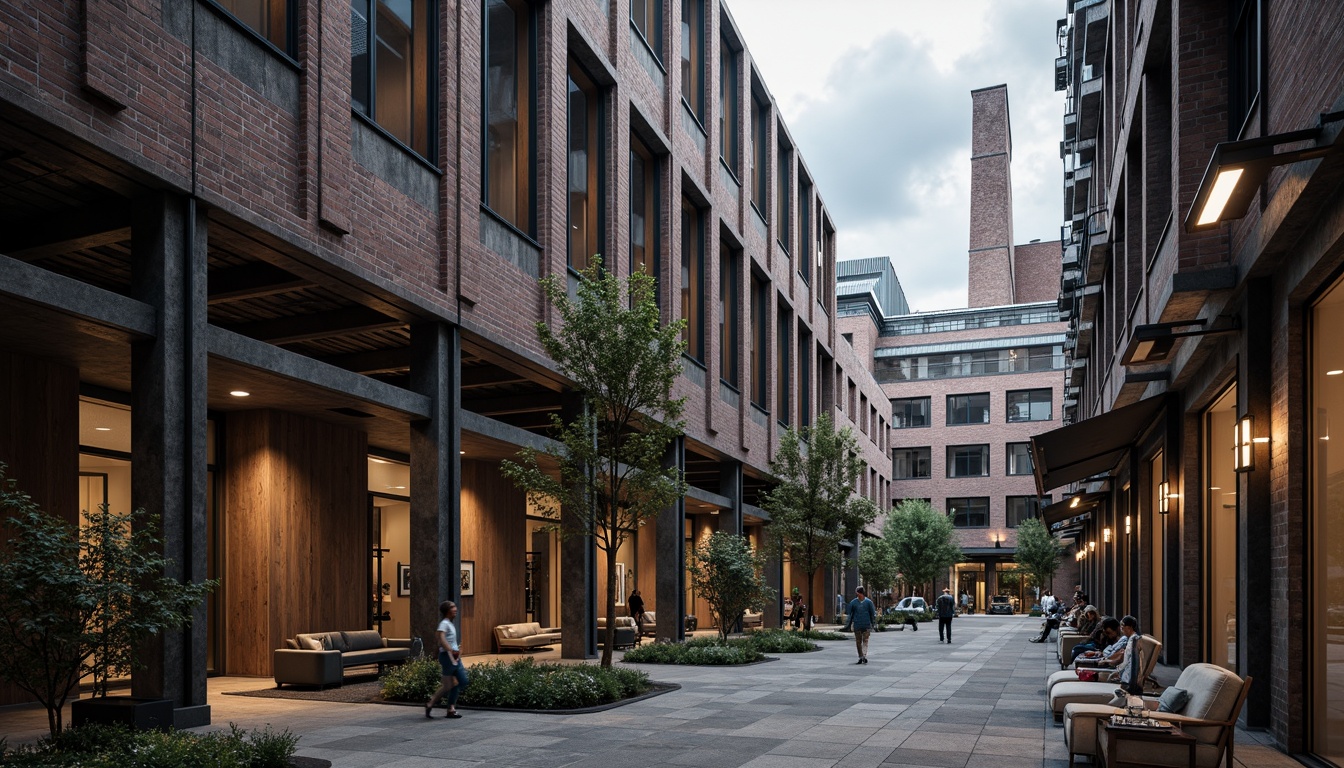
(403, 579)
(468, 578)
(620, 583)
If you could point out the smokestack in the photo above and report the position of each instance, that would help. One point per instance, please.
(991, 247)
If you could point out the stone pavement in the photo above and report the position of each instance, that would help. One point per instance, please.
(976, 702)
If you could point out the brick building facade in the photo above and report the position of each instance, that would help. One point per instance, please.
(1210, 337)
(272, 264)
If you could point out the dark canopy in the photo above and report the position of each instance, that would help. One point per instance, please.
(1090, 447)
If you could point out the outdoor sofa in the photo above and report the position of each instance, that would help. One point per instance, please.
(1062, 694)
(525, 636)
(320, 658)
(627, 632)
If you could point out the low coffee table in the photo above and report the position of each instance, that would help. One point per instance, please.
(1109, 738)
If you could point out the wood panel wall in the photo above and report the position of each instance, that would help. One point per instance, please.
(295, 533)
(494, 536)
(39, 442)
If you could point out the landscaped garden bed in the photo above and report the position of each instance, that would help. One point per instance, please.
(706, 651)
(524, 684)
(115, 746)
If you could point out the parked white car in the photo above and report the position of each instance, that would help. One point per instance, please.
(909, 605)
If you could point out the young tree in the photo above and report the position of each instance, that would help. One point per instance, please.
(815, 506)
(611, 456)
(923, 540)
(1038, 553)
(78, 601)
(727, 574)
(877, 565)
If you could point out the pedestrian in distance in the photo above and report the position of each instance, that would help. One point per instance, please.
(636, 604)
(946, 607)
(862, 616)
(454, 672)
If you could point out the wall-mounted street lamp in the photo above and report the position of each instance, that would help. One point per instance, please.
(1127, 525)
(1106, 535)
(1163, 496)
(1238, 168)
(1150, 344)
(1091, 546)
(1243, 444)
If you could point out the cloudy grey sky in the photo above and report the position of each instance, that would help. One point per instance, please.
(877, 96)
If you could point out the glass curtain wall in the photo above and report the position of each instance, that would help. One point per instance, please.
(1221, 520)
(1326, 478)
(585, 169)
(1157, 547)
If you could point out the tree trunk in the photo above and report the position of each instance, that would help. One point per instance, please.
(807, 614)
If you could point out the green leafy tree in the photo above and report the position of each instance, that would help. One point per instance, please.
(815, 506)
(877, 565)
(727, 574)
(923, 540)
(80, 600)
(612, 475)
(1038, 553)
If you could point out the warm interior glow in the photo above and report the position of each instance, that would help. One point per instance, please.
(1106, 535)
(1127, 525)
(1260, 439)
(1223, 186)
(1142, 350)
(1091, 545)
(102, 429)
(1335, 372)
(1162, 496)
(1076, 499)
(239, 393)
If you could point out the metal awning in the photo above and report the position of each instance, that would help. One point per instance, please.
(1090, 447)
(1070, 507)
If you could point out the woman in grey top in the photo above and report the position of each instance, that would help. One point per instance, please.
(450, 662)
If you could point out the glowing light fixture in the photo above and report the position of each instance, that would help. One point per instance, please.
(1106, 535)
(1091, 546)
(1243, 449)
(1075, 501)
(1163, 496)
(1335, 372)
(102, 429)
(240, 393)
(1127, 525)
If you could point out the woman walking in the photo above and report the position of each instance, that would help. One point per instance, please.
(450, 662)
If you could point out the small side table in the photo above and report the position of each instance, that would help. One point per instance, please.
(1109, 738)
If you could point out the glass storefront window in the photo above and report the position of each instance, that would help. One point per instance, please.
(1326, 478)
(1221, 519)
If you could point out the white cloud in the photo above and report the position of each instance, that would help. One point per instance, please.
(877, 96)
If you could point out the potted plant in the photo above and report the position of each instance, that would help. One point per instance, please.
(78, 601)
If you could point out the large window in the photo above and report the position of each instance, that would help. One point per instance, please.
(912, 464)
(783, 376)
(909, 412)
(760, 152)
(1221, 522)
(1325, 473)
(971, 363)
(272, 19)
(693, 279)
(730, 101)
(644, 213)
(760, 314)
(1030, 405)
(509, 74)
(1021, 508)
(969, 512)
(968, 461)
(804, 228)
(804, 378)
(1019, 458)
(1244, 63)
(647, 17)
(968, 409)
(585, 169)
(693, 56)
(783, 187)
(729, 313)
(392, 67)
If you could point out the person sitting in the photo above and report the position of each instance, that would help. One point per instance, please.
(1112, 654)
(1096, 639)
(1050, 623)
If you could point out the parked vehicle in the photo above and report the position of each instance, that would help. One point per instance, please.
(1001, 605)
(909, 605)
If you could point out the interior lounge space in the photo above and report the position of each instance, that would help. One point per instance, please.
(984, 576)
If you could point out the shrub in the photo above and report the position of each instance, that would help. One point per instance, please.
(526, 684)
(700, 651)
(415, 680)
(818, 634)
(779, 641)
(103, 746)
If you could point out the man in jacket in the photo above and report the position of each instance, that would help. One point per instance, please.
(946, 606)
(862, 616)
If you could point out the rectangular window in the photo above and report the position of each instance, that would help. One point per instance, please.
(783, 378)
(968, 461)
(912, 464)
(1021, 508)
(804, 378)
(805, 229)
(784, 157)
(730, 100)
(584, 169)
(1019, 458)
(975, 363)
(969, 512)
(693, 279)
(909, 412)
(729, 314)
(968, 409)
(1030, 405)
(760, 314)
(644, 214)
(760, 152)
(510, 27)
(1243, 84)
(693, 56)
(272, 19)
(647, 18)
(391, 68)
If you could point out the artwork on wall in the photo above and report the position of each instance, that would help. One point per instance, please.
(403, 579)
(620, 583)
(468, 578)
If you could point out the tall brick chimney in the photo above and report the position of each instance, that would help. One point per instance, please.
(991, 249)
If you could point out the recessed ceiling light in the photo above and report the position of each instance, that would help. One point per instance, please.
(378, 461)
(1214, 488)
(239, 393)
(462, 452)
(102, 429)
(1334, 372)
(396, 487)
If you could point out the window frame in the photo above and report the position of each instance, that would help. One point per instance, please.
(730, 108)
(760, 342)
(596, 161)
(656, 9)
(730, 316)
(783, 364)
(1031, 402)
(428, 12)
(760, 155)
(693, 279)
(965, 503)
(804, 228)
(696, 61)
(905, 402)
(291, 33)
(783, 191)
(912, 461)
(642, 158)
(952, 461)
(1008, 451)
(951, 409)
(1035, 504)
(529, 219)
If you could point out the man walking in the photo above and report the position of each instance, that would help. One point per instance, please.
(946, 606)
(862, 615)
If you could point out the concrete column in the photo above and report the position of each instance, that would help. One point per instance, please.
(670, 559)
(730, 485)
(436, 478)
(1254, 396)
(168, 427)
(578, 577)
